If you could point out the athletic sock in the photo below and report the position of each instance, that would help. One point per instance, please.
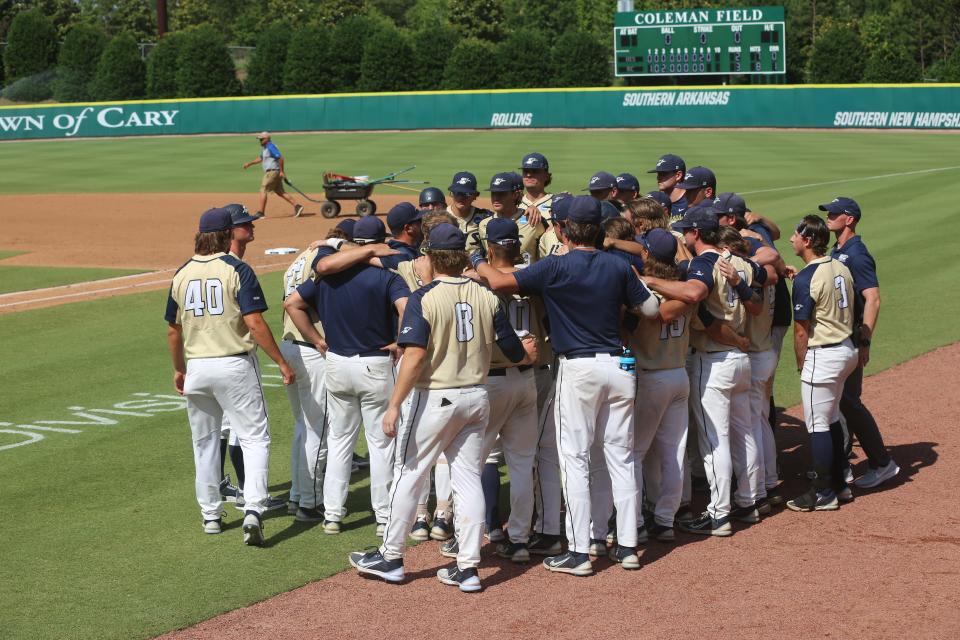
(223, 457)
(821, 447)
(236, 458)
(490, 480)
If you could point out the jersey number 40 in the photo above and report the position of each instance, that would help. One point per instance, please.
(197, 302)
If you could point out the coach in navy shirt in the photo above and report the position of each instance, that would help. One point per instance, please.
(404, 221)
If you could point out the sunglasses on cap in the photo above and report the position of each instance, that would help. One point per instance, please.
(804, 231)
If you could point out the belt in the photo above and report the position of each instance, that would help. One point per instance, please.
(827, 346)
(577, 356)
(304, 344)
(502, 371)
(374, 353)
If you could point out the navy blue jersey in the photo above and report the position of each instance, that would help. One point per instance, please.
(322, 253)
(629, 258)
(701, 268)
(762, 231)
(583, 292)
(854, 256)
(356, 308)
(678, 208)
(406, 253)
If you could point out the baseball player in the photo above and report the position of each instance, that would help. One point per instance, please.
(463, 191)
(447, 333)
(536, 178)
(700, 184)
(823, 297)
(404, 220)
(431, 199)
(627, 190)
(584, 292)
(843, 216)
(274, 172)
(550, 242)
(670, 170)
(359, 373)
(506, 191)
(215, 319)
(602, 186)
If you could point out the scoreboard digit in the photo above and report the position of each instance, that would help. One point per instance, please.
(700, 42)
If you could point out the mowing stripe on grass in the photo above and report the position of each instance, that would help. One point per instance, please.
(821, 184)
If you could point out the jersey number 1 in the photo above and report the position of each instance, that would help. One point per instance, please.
(464, 322)
(840, 284)
(194, 300)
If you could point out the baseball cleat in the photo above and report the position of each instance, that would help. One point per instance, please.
(212, 526)
(749, 514)
(381, 529)
(496, 535)
(514, 551)
(625, 556)
(466, 579)
(272, 504)
(763, 506)
(544, 544)
(421, 529)
(684, 516)
(450, 548)
(292, 507)
(845, 495)
(774, 498)
(814, 501)
(642, 535)
(663, 533)
(442, 528)
(309, 514)
(576, 564)
(252, 529)
(372, 563)
(848, 474)
(297, 210)
(876, 477)
(598, 547)
(708, 526)
(360, 461)
(331, 527)
(228, 491)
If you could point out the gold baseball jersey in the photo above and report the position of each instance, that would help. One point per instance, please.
(408, 271)
(543, 203)
(208, 297)
(549, 243)
(759, 327)
(457, 321)
(470, 225)
(662, 345)
(529, 236)
(295, 275)
(823, 294)
(722, 302)
(526, 314)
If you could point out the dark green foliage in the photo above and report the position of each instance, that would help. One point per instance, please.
(31, 46)
(307, 67)
(346, 51)
(387, 60)
(481, 19)
(121, 74)
(579, 60)
(891, 63)
(77, 63)
(948, 69)
(471, 65)
(431, 48)
(521, 60)
(162, 67)
(204, 66)
(838, 56)
(265, 72)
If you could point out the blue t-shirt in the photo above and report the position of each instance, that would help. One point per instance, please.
(855, 256)
(761, 230)
(678, 208)
(406, 253)
(629, 258)
(583, 292)
(356, 308)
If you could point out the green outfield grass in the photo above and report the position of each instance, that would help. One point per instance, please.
(102, 534)
(9, 254)
(19, 278)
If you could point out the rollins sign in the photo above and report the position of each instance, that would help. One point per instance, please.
(106, 117)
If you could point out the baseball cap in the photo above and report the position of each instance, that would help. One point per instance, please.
(698, 177)
(347, 226)
(216, 219)
(730, 203)
(464, 182)
(239, 214)
(661, 244)
(431, 195)
(628, 182)
(535, 161)
(446, 236)
(505, 182)
(669, 162)
(401, 214)
(503, 231)
(560, 207)
(702, 216)
(263, 135)
(601, 180)
(584, 209)
(608, 210)
(369, 229)
(842, 205)
(662, 198)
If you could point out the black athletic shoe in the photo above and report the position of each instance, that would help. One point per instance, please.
(750, 515)
(360, 461)
(228, 491)
(421, 529)
(707, 526)
(466, 579)
(372, 563)
(662, 533)
(598, 547)
(814, 501)
(442, 528)
(450, 548)
(514, 551)
(625, 556)
(577, 564)
(308, 514)
(545, 544)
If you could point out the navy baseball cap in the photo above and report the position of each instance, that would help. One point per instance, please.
(702, 217)
(505, 183)
(608, 210)
(601, 180)
(669, 163)
(628, 182)
(585, 210)
(401, 214)
(560, 207)
(347, 226)
(369, 229)
(662, 198)
(464, 182)
(729, 203)
(698, 177)
(661, 244)
(239, 214)
(848, 206)
(216, 219)
(446, 236)
(503, 231)
(535, 161)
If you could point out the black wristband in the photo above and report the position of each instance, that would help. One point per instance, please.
(744, 292)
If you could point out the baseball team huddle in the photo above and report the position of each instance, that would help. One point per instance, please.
(615, 350)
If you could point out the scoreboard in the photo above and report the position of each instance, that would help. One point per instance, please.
(699, 42)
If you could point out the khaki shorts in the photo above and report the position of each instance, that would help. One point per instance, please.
(272, 182)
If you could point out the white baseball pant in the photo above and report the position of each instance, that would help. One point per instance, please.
(720, 401)
(661, 418)
(593, 411)
(307, 396)
(358, 389)
(451, 421)
(825, 370)
(229, 386)
(763, 364)
(513, 417)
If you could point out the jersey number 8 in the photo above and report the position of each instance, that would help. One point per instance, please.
(194, 299)
(464, 321)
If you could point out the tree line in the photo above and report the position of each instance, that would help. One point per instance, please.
(77, 50)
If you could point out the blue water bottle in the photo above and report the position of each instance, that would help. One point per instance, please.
(628, 362)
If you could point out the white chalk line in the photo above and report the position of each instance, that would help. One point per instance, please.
(879, 177)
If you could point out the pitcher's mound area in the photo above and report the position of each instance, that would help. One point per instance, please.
(884, 566)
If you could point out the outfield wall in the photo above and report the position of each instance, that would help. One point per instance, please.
(797, 106)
